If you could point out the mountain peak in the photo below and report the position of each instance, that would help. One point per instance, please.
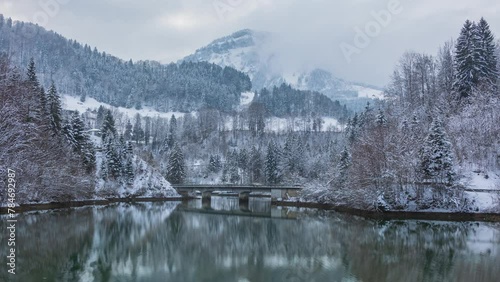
(254, 53)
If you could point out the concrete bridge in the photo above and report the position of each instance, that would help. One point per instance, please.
(277, 191)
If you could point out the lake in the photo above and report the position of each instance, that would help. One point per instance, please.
(223, 241)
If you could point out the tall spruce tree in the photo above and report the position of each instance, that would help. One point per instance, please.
(273, 169)
(80, 141)
(108, 130)
(175, 167)
(31, 73)
(466, 60)
(128, 131)
(137, 131)
(436, 155)
(54, 109)
(256, 165)
(343, 166)
(485, 50)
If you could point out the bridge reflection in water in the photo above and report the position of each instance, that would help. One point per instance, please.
(232, 206)
(276, 192)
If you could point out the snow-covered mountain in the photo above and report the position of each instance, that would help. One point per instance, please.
(253, 52)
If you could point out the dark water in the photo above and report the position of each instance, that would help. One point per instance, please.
(257, 242)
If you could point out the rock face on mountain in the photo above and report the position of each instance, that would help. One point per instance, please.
(253, 53)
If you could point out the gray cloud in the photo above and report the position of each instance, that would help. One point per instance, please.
(310, 32)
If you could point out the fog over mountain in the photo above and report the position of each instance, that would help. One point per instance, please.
(257, 54)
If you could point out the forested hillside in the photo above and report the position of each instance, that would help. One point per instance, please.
(80, 70)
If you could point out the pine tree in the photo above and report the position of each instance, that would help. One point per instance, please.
(31, 73)
(129, 171)
(380, 119)
(485, 50)
(211, 164)
(436, 155)
(171, 136)
(54, 109)
(214, 164)
(128, 131)
(147, 130)
(234, 176)
(129, 168)
(43, 103)
(243, 159)
(113, 160)
(256, 165)
(108, 129)
(343, 166)
(137, 131)
(466, 60)
(80, 141)
(175, 168)
(273, 173)
(34, 109)
(101, 113)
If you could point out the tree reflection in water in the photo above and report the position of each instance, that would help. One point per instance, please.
(188, 242)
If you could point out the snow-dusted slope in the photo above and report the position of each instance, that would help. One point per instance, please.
(253, 53)
(73, 103)
(148, 181)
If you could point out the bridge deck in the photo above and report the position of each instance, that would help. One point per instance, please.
(233, 188)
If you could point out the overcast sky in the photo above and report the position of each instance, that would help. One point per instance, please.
(312, 31)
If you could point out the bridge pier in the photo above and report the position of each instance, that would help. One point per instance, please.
(244, 197)
(206, 199)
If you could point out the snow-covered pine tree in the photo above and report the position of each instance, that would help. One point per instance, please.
(273, 169)
(54, 109)
(256, 165)
(175, 168)
(436, 155)
(147, 130)
(108, 130)
(101, 113)
(172, 132)
(31, 73)
(80, 141)
(343, 166)
(137, 131)
(243, 159)
(234, 176)
(211, 164)
(466, 60)
(34, 109)
(214, 164)
(485, 50)
(113, 160)
(381, 120)
(129, 168)
(43, 103)
(128, 131)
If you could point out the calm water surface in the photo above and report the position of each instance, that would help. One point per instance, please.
(224, 241)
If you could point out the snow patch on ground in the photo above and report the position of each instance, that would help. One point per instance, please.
(364, 92)
(246, 98)
(484, 180)
(276, 124)
(483, 190)
(74, 104)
